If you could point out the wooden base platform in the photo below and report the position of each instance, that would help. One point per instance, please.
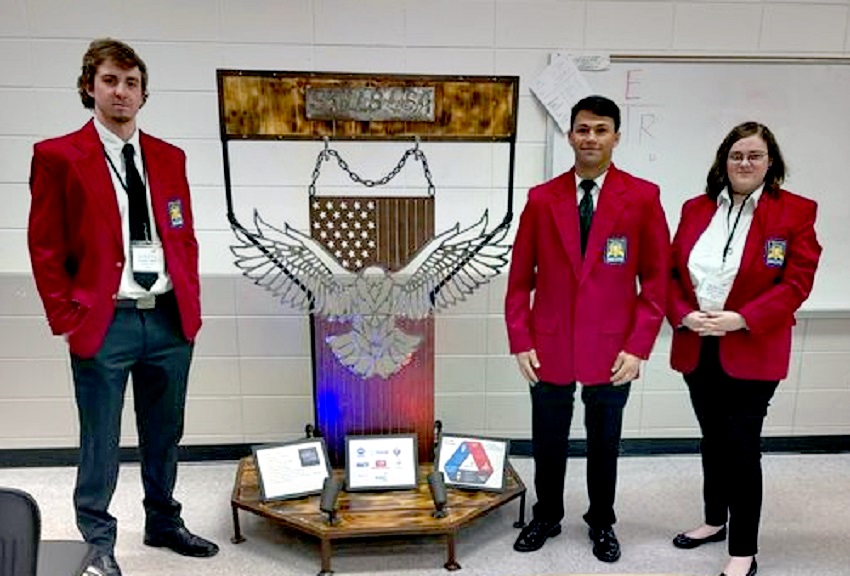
(364, 514)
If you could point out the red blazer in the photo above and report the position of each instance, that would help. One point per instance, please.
(578, 314)
(75, 234)
(777, 271)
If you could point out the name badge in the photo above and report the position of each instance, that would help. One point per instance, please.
(616, 250)
(712, 294)
(774, 252)
(147, 257)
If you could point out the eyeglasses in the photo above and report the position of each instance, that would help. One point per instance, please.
(752, 157)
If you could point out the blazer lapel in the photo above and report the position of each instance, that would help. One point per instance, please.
(565, 212)
(703, 213)
(97, 179)
(153, 170)
(688, 235)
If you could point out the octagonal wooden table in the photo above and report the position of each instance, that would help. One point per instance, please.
(372, 514)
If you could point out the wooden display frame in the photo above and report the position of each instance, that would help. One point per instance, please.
(271, 105)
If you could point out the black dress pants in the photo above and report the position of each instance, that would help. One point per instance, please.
(730, 414)
(551, 417)
(148, 344)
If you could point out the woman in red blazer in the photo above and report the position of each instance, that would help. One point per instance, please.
(743, 261)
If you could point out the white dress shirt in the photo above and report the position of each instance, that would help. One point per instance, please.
(594, 194)
(112, 146)
(716, 256)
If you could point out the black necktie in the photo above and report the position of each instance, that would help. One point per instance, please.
(585, 211)
(139, 222)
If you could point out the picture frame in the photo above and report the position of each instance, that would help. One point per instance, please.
(290, 470)
(381, 462)
(472, 462)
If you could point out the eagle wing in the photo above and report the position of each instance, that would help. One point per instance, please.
(450, 268)
(293, 267)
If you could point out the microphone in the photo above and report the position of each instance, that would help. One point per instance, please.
(330, 493)
(437, 486)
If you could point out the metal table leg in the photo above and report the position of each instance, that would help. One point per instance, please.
(237, 530)
(326, 557)
(521, 522)
(451, 564)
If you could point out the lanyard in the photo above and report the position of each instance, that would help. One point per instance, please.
(727, 248)
(115, 171)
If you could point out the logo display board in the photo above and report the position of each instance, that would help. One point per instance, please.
(387, 462)
(291, 469)
(472, 461)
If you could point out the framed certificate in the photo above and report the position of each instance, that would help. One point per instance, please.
(381, 462)
(291, 469)
(472, 461)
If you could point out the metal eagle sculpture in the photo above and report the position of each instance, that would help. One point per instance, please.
(304, 275)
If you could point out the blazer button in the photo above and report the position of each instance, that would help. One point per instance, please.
(118, 264)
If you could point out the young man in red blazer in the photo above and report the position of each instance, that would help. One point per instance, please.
(115, 260)
(584, 304)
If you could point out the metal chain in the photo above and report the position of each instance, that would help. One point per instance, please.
(328, 153)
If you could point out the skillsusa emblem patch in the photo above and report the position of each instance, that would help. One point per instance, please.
(616, 250)
(774, 252)
(175, 213)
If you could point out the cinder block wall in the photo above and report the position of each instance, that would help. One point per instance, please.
(251, 379)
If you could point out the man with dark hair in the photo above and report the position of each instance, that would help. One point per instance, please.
(115, 260)
(585, 301)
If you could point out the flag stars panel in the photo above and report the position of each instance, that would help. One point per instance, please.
(361, 232)
(334, 221)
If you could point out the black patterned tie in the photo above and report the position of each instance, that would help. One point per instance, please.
(585, 212)
(139, 221)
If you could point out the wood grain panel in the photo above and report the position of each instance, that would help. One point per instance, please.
(263, 105)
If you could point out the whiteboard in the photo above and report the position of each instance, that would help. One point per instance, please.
(675, 112)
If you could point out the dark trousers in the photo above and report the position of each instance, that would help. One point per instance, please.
(730, 414)
(551, 416)
(148, 344)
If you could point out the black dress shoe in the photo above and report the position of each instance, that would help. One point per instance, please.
(535, 534)
(686, 542)
(103, 565)
(754, 567)
(605, 545)
(183, 542)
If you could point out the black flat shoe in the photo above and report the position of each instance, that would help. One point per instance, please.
(183, 542)
(687, 543)
(534, 536)
(754, 567)
(606, 548)
(103, 565)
